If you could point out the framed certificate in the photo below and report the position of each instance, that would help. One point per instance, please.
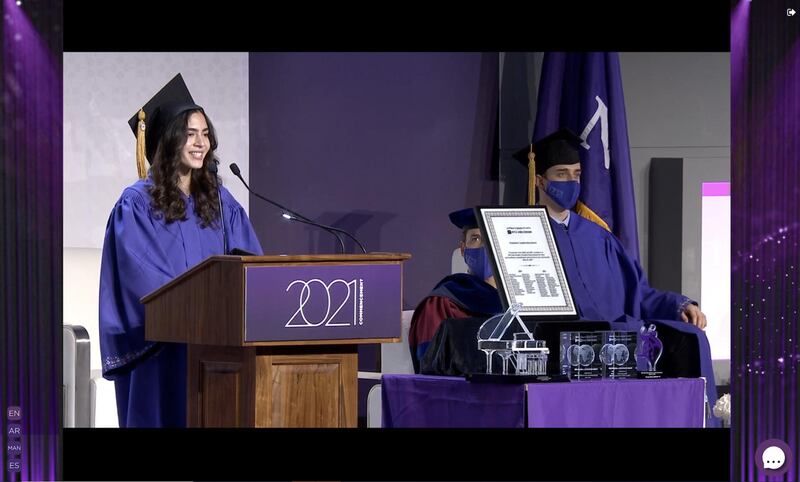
(527, 263)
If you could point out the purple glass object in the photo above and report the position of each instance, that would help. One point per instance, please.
(652, 347)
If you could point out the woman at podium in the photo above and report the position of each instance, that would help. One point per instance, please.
(174, 217)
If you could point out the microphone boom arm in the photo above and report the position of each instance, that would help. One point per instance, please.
(298, 217)
(332, 231)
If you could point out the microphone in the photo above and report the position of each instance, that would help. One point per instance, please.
(213, 168)
(293, 216)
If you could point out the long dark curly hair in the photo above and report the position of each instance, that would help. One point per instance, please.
(165, 193)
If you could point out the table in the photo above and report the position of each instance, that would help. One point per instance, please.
(424, 401)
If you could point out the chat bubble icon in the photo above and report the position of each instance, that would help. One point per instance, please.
(773, 457)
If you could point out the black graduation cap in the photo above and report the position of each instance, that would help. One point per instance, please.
(173, 99)
(560, 147)
(464, 218)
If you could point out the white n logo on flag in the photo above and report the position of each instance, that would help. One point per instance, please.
(602, 114)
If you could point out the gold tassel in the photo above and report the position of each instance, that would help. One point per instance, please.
(587, 213)
(141, 152)
(531, 177)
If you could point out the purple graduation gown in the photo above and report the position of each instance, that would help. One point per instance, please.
(609, 285)
(141, 252)
(605, 282)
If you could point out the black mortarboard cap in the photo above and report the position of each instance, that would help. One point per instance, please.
(173, 99)
(560, 147)
(464, 218)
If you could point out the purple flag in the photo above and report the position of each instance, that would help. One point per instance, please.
(583, 92)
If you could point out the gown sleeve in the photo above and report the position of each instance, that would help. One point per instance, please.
(654, 303)
(133, 265)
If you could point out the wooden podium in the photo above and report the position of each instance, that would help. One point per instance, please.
(272, 340)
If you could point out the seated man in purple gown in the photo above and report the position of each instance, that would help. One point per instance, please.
(161, 226)
(606, 283)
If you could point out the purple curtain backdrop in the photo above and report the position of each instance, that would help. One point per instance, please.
(383, 145)
(765, 90)
(30, 234)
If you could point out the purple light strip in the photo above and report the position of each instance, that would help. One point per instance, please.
(32, 165)
(765, 66)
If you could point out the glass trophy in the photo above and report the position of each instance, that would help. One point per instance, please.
(581, 355)
(526, 355)
(491, 331)
(617, 354)
(649, 351)
(531, 355)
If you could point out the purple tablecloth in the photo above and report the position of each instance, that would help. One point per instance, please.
(674, 402)
(423, 401)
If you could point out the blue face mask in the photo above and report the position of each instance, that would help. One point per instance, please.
(477, 260)
(564, 193)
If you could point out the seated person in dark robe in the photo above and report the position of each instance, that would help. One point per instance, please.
(461, 295)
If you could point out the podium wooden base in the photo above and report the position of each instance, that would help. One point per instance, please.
(250, 362)
(282, 386)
